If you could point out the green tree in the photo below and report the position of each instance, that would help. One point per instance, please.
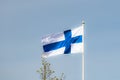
(46, 73)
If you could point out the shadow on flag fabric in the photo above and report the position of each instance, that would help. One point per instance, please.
(67, 42)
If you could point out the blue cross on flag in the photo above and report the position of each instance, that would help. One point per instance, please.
(69, 41)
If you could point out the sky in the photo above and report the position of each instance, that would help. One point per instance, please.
(24, 22)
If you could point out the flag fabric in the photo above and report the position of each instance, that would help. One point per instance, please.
(69, 41)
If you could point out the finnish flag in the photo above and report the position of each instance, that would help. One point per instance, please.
(69, 41)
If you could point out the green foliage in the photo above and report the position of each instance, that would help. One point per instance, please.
(46, 73)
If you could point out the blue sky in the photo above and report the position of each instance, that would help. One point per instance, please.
(24, 22)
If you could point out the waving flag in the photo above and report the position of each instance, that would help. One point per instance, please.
(69, 41)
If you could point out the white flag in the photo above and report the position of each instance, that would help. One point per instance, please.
(69, 41)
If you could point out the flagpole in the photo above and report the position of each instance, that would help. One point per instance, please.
(83, 65)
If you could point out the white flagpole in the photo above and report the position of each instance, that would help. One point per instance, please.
(83, 69)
